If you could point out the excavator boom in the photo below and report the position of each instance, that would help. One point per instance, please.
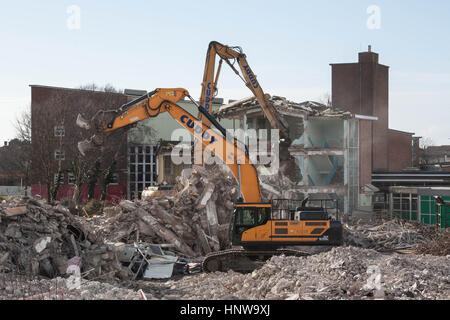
(164, 100)
(210, 79)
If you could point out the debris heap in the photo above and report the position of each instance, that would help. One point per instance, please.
(195, 218)
(340, 274)
(439, 247)
(389, 235)
(39, 239)
(21, 287)
(311, 108)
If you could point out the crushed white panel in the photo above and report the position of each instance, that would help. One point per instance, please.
(42, 244)
(160, 267)
(211, 213)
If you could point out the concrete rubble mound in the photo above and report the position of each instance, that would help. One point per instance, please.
(38, 239)
(439, 247)
(342, 273)
(19, 287)
(310, 108)
(195, 218)
(389, 235)
(386, 259)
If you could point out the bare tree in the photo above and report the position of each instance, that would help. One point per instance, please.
(23, 126)
(19, 151)
(326, 99)
(99, 166)
(95, 87)
(78, 170)
(14, 163)
(426, 142)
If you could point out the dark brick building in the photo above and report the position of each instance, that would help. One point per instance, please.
(55, 136)
(363, 88)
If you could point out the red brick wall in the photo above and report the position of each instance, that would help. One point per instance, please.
(50, 106)
(345, 87)
(362, 88)
(381, 110)
(400, 150)
(114, 193)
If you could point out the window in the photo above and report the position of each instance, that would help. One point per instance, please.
(71, 178)
(115, 178)
(245, 217)
(142, 168)
(61, 178)
(59, 131)
(60, 155)
(252, 216)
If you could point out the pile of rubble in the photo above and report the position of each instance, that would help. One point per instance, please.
(279, 185)
(314, 109)
(195, 218)
(37, 238)
(311, 108)
(20, 287)
(389, 235)
(40, 239)
(342, 273)
(438, 247)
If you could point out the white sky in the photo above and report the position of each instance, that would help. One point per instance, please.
(289, 44)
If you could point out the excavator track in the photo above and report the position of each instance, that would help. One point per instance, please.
(243, 261)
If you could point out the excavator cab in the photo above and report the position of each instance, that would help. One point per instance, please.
(248, 216)
(259, 226)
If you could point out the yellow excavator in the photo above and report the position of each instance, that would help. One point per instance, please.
(260, 229)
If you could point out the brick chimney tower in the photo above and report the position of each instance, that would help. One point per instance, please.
(363, 88)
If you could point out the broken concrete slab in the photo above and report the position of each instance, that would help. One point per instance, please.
(41, 244)
(17, 211)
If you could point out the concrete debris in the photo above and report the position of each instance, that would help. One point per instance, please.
(342, 273)
(389, 235)
(314, 109)
(438, 247)
(279, 185)
(46, 252)
(309, 108)
(44, 240)
(19, 287)
(195, 219)
(38, 240)
(17, 211)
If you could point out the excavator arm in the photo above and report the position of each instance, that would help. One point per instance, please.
(164, 100)
(253, 225)
(210, 79)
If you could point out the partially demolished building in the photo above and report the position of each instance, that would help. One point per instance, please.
(325, 148)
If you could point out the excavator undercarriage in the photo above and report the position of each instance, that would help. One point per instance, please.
(243, 260)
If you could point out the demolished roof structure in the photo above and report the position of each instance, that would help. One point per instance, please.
(283, 107)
